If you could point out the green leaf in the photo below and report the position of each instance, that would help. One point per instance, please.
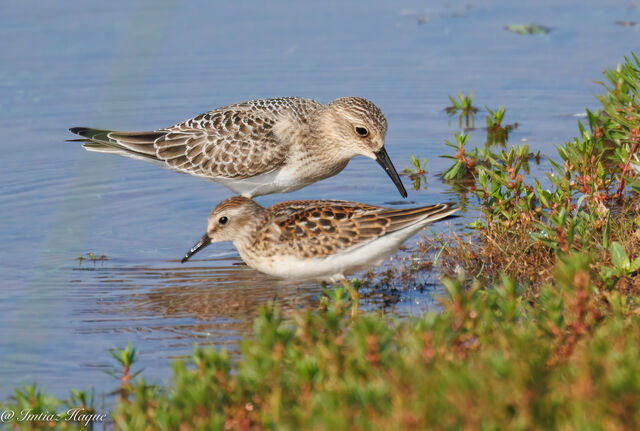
(608, 273)
(619, 256)
(635, 265)
(453, 171)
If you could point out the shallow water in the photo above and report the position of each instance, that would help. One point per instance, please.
(148, 64)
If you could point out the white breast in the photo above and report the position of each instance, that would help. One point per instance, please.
(276, 181)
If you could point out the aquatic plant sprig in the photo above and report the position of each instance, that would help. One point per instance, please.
(464, 107)
(497, 134)
(126, 357)
(464, 163)
(419, 168)
(417, 173)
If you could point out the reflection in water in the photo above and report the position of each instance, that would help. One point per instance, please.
(216, 301)
(213, 302)
(163, 307)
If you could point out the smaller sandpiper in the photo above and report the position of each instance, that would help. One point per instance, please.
(320, 240)
(261, 146)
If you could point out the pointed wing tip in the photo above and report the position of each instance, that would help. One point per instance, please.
(448, 210)
(82, 131)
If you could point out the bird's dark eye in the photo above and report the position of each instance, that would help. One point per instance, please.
(223, 220)
(362, 131)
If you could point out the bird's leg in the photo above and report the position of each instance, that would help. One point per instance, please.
(355, 296)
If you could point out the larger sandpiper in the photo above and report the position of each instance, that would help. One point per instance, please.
(314, 240)
(262, 146)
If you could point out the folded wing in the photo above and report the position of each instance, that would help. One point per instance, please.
(326, 227)
(237, 141)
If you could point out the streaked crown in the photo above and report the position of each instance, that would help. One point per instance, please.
(361, 109)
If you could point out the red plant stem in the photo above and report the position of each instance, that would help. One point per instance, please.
(624, 171)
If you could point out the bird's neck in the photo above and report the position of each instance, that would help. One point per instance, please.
(314, 161)
(245, 237)
(320, 146)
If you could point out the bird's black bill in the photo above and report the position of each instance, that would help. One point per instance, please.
(383, 158)
(202, 243)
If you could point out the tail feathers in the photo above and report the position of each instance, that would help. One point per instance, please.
(98, 135)
(422, 216)
(130, 144)
(443, 213)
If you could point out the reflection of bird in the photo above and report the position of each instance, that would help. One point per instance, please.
(314, 240)
(261, 146)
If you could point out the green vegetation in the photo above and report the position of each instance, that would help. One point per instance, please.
(418, 167)
(463, 165)
(125, 357)
(590, 201)
(539, 328)
(463, 107)
(496, 132)
(416, 173)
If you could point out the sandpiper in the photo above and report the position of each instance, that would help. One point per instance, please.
(314, 240)
(262, 146)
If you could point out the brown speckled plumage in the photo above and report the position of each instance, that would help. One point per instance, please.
(307, 140)
(235, 141)
(316, 228)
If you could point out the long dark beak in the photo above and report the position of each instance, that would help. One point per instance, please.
(383, 158)
(202, 243)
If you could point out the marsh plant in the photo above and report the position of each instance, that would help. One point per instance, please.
(497, 134)
(125, 357)
(416, 172)
(463, 107)
(464, 163)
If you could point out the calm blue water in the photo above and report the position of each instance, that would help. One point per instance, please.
(148, 64)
